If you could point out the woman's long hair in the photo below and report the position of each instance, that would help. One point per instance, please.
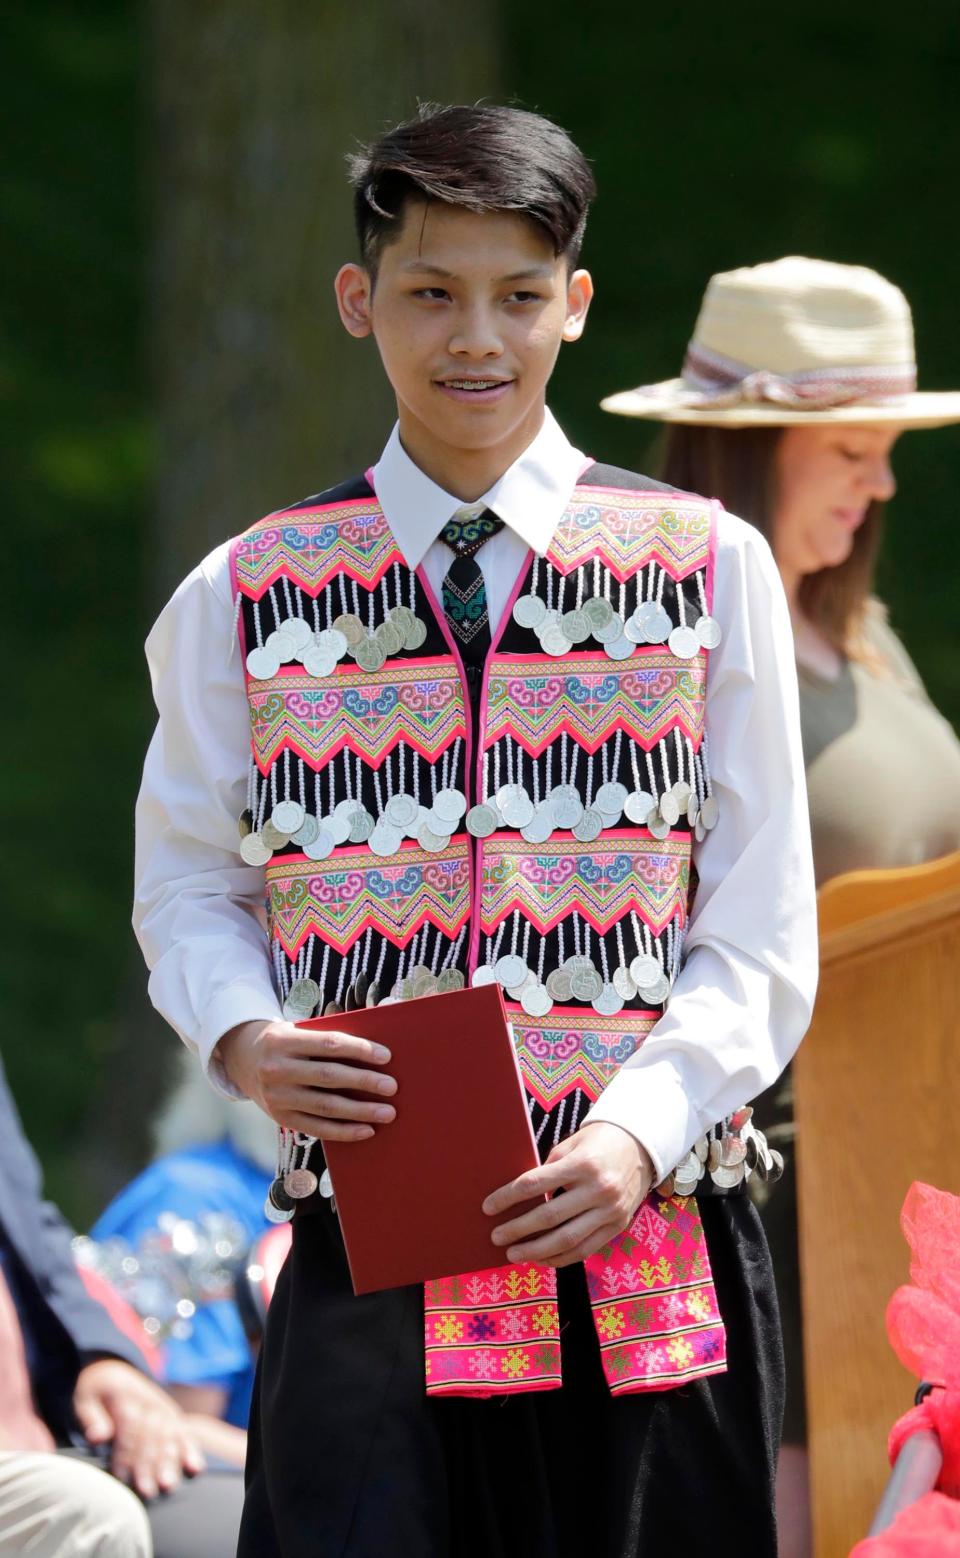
(738, 466)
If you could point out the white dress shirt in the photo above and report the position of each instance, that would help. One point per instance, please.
(742, 1001)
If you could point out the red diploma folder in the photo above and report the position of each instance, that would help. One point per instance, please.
(409, 1198)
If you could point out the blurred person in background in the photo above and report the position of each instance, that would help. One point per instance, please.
(79, 1414)
(202, 1197)
(798, 381)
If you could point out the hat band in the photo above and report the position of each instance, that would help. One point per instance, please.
(719, 381)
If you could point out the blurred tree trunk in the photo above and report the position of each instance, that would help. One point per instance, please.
(262, 397)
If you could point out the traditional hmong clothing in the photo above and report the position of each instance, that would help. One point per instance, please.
(633, 865)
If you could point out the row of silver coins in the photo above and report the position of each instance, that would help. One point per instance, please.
(728, 1155)
(650, 623)
(320, 653)
(564, 809)
(303, 998)
(577, 979)
(351, 823)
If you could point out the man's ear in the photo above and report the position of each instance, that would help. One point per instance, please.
(579, 295)
(354, 289)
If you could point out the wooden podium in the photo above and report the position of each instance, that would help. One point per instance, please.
(876, 1088)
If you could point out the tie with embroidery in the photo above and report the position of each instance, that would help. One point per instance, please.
(464, 592)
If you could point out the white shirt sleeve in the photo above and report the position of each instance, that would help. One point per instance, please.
(199, 910)
(743, 999)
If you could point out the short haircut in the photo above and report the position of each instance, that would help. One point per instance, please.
(482, 158)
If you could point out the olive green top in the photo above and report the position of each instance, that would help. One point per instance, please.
(883, 766)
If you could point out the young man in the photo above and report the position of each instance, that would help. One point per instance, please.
(481, 712)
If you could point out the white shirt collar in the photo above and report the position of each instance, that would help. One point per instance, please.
(530, 497)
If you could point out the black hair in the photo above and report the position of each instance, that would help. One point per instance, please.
(483, 158)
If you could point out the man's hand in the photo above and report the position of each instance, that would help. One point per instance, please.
(299, 1077)
(604, 1174)
(152, 1446)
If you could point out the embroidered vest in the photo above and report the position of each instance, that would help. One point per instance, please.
(554, 857)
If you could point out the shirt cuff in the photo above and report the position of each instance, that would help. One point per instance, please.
(649, 1102)
(231, 1006)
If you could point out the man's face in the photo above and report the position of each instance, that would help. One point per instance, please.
(468, 312)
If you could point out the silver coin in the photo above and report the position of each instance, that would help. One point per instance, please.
(272, 836)
(589, 827)
(598, 612)
(482, 820)
(611, 797)
(320, 846)
(437, 824)
(529, 611)
(568, 808)
(254, 851)
(485, 974)
(294, 1013)
(669, 808)
(449, 804)
(369, 655)
(450, 979)
(555, 642)
(385, 838)
(657, 825)
(681, 793)
(586, 984)
(620, 648)
(338, 827)
(624, 984)
(700, 1147)
(510, 969)
(638, 806)
(516, 991)
(333, 642)
(635, 634)
(274, 1214)
(300, 1183)
(658, 625)
(262, 664)
(609, 630)
(713, 1156)
(507, 793)
(422, 981)
(684, 1187)
(518, 811)
(609, 1002)
(688, 1169)
(693, 808)
(361, 826)
(281, 645)
(644, 970)
(576, 626)
(684, 643)
(318, 662)
(298, 631)
(708, 631)
(413, 828)
(727, 1178)
(326, 1185)
(416, 634)
(699, 831)
(350, 626)
(389, 637)
(560, 985)
(245, 822)
(656, 992)
(400, 809)
(536, 1000)
(288, 816)
(402, 618)
(432, 842)
(304, 995)
(732, 1151)
(578, 963)
(540, 827)
(709, 812)
(645, 615)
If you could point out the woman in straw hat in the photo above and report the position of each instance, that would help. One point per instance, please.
(798, 381)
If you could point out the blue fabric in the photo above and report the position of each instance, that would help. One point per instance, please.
(212, 1177)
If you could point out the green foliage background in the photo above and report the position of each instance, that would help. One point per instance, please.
(721, 136)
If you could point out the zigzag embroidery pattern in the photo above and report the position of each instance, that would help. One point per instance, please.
(337, 899)
(310, 546)
(419, 702)
(574, 1048)
(631, 528)
(534, 700)
(602, 880)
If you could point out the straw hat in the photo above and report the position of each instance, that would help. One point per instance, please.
(796, 341)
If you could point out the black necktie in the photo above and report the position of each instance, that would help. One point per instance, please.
(464, 592)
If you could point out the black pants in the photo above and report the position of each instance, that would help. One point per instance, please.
(348, 1456)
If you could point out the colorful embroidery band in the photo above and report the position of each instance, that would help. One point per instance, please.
(309, 547)
(492, 1331)
(603, 880)
(574, 1047)
(628, 530)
